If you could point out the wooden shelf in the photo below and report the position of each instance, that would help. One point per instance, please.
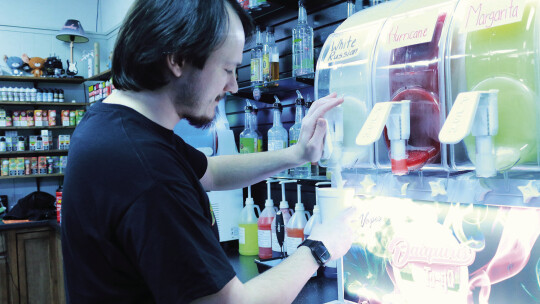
(32, 176)
(33, 152)
(42, 79)
(37, 128)
(42, 103)
(105, 75)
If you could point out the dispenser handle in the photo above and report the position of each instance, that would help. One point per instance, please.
(258, 210)
(460, 119)
(372, 129)
(308, 215)
(276, 209)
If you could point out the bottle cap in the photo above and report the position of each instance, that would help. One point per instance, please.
(299, 99)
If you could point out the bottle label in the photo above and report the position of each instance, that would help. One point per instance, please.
(247, 145)
(275, 144)
(412, 31)
(275, 243)
(344, 46)
(256, 70)
(265, 238)
(292, 244)
(259, 145)
(266, 64)
(242, 235)
(483, 14)
(292, 142)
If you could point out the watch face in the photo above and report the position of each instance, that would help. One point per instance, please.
(322, 253)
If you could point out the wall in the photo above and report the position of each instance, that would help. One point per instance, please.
(112, 14)
(31, 26)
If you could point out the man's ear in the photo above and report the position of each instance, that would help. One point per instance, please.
(174, 65)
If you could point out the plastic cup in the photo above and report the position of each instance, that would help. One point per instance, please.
(333, 201)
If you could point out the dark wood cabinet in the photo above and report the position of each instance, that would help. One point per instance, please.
(33, 267)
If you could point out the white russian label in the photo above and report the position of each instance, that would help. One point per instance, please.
(484, 14)
(410, 31)
(265, 238)
(344, 46)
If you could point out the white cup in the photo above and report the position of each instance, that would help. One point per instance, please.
(333, 201)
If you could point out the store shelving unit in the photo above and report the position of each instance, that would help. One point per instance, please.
(40, 103)
(36, 105)
(105, 75)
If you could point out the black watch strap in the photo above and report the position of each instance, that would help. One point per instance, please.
(318, 250)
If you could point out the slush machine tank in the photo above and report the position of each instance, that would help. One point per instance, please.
(344, 67)
(409, 63)
(493, 45)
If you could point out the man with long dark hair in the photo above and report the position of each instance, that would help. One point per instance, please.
(137, 225)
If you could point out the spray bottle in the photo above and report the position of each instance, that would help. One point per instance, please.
(296, 225)
(247, 228)
(303, 171)
(265, 224)
(287, 213)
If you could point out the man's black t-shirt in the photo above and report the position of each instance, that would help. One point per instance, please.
(137, 226)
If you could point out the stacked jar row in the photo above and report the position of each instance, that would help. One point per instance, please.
(33, 165)
(31, 94)
(39, 118)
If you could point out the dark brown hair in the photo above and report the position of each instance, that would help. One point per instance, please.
(189, 29)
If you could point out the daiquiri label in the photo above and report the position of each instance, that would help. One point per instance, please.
(432, 268)
(404, 253)
(483, 14)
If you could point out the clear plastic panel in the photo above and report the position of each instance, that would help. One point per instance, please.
(344, 67)
(409, 65)
(494, 45)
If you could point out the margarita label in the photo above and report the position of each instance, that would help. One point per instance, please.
(484, 14)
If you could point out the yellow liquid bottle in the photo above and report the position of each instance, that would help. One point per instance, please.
(248, 240)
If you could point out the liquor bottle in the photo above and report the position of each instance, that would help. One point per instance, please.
(302, 46)
(277, 135)
(257, 60)
(266, 58)
(273, 51)
(351, 8)
(303, 171)
(255, 126)
(248, 137)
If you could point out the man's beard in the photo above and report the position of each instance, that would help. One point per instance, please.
(187, 97)
(201, 122)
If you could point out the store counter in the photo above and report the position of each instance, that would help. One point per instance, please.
(317, 290)
(30, 224)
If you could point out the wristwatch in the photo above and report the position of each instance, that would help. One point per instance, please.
(318, 250)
